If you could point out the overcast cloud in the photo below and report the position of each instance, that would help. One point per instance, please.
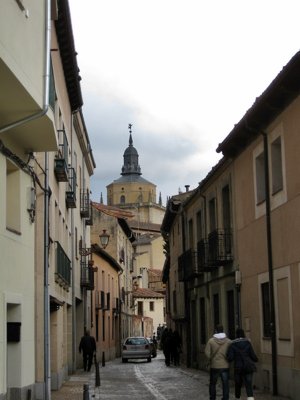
(183, 72)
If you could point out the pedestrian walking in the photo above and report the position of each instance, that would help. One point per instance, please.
(216, 351)
(88, 347)
(244, 357)
(166, 339)
(175, 347)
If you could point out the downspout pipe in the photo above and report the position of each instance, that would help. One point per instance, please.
(270, 264)
(73, 282)
(44, 110)
(47, 372)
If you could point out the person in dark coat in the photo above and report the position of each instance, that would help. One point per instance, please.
(244, 357)
(88, 347)
(166, 338)
(175, 347)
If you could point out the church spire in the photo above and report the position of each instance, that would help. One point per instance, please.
(131, 158)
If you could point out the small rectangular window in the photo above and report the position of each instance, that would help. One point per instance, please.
(276, 159)
(260, 178)
(140, 308)
(216, 309)
(174, 302)
(151, 306)
(199, 226)
(266, 309)
(191, 234)
(212, 215)
(202, 321)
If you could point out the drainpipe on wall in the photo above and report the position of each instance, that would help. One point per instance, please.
(74, 337)
(270, 264)
(47, 371)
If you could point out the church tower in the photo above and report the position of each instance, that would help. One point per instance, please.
(132, 192)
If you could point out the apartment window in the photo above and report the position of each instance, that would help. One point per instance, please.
(13, 203)
(140, 308)
(212, 215)
(230, 314)
(76, 244)
(191, 234)
(97, 327)
(52, 93)
(216, 309)
(266, 309)
(103, 327)
(202, 321)
(226, 207)
(260, 178)
(284, 321)
(174, 302)
(151, 306)
(199, 226)
(276, 157)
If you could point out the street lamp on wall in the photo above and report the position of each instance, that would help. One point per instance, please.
(104, 239)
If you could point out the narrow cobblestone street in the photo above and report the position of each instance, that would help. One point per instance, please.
(142, 380)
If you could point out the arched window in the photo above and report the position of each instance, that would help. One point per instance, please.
(122, 199)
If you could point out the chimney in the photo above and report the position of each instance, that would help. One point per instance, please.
(187, 187)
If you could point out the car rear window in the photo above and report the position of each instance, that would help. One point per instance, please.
(136, 341)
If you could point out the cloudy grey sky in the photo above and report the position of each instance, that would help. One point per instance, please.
(183, 72)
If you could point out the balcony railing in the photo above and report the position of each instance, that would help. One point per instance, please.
(63, 268)
(187, 266)
(220, 247)
(85, 205)
(71, 190)
(61, 159)
(215, 251)
(87, 269)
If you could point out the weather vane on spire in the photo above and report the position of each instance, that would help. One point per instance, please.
(129, 127)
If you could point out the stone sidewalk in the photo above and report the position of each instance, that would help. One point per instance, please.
(73, 388)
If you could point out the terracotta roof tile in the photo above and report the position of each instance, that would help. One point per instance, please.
(112, 211)
(147, 293)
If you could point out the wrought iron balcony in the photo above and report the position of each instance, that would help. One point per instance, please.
(187, 266)
(61, 159)
(220, 247)
(87, 269)
(215, 251)
(71, 191)
(89, 220)
(87, 276)
(63, 268)
(85, 205)
(61, 170)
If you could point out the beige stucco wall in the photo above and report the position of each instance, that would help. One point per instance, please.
(106, 280)
(16, 288)
(252, 252)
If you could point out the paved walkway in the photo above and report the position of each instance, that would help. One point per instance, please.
(73, 388)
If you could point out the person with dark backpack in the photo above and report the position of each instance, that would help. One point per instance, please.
(242, 354)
